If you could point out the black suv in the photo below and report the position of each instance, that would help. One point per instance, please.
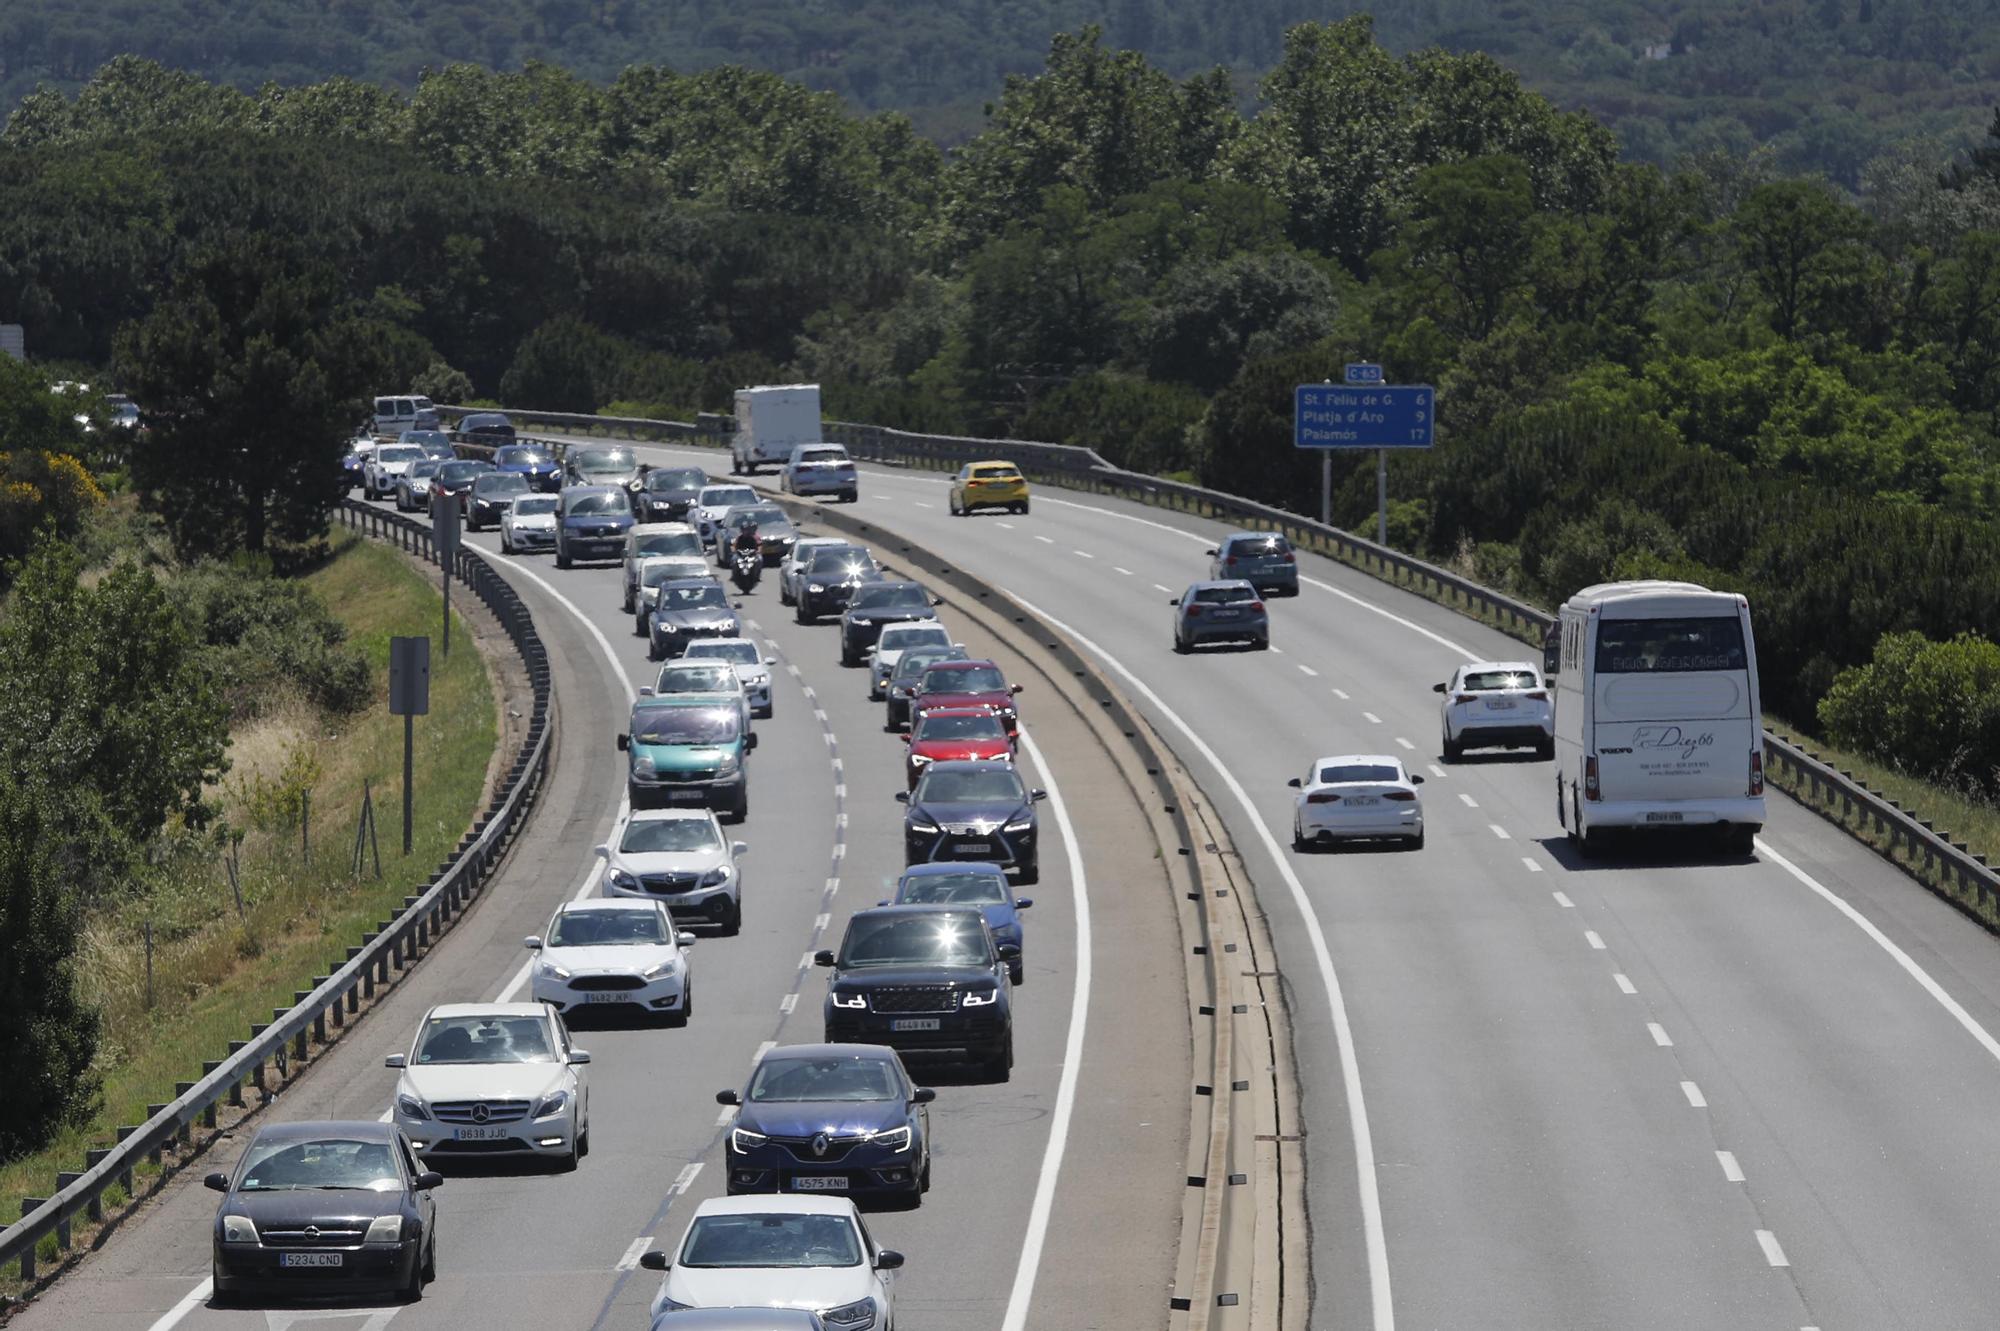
(923, 980)
(829, 581)
(973, 809)
(878, 603)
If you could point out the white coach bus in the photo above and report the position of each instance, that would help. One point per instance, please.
(1658, 723)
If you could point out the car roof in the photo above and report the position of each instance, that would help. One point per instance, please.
(916, 908)
(1357, 759)
(580, 491)
(956, 711)
(1501, 665)
(775, 1203)
(718, 642)
(879, 1052)
(995, 462)
(309, 1129)
(702, 581)
(671, 815)
(973, 765)
(1252, 534)
(941, 868)
(897, 582)
(1211, 583)
(969, 663)
(490, 1010)
(706, 698)
(659, 529)
(633, 905)
(727, 485)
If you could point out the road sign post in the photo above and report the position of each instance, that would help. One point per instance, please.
(1364, 412)
(409, 698)
(444, 535)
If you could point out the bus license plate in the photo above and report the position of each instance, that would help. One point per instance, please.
(820, 1183)
(310, 1259)
(914, 1024)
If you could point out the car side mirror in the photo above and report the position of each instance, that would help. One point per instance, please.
(1293, 783)
(578, 1057)
(429, 1179)
(532, 942)
(823, 957)
(728, 1098)
(216, 1182)
(770, 660)
(683, 939)
(395, 1061)
(1175, 601)
(737, 604)
(1038, 795)
(749, 741)
(923, 1095)
(888, 1260)
(937, 600)
(1213, 552)
(739, 848)
(624, 744)
(1015, 688)
(1009, 952)
(1437, 688)
(1415, 779)
(645, 690)
(906, 737)
(1022, 903)
(603, 852)
(902, 797)
(654, 1260)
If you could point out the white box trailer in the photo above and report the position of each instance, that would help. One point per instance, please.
(772, 419)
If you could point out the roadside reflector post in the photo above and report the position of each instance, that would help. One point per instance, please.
(409, 698)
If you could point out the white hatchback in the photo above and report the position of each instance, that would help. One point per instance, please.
(1357, 795)
(781, 1251)
(1496, 704)
(486, 1079)
(679, 857)
(613, 954)
(894, 640)
(528, 524)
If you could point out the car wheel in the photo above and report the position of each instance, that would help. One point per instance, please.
(800, 615)
(413, 1288)
(630, 608)
(1031, 873)
(1452, 752)
(1417, 841)
(784, 597)
(562, 558)
(652, 650)
(1001, 1065)
(1017, 973)
(1023, 509)
(1546, 751)
(638, 626)
(851, 497)
(1298, 837)
(220, 1295)
(848, 658)
(1180, 648)
(924, 1179)
(1261, 645)
(431, 1257)
(740, 808)
(731, 922)
(952, 503)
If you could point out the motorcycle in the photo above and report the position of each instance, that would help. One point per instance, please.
(745, 568)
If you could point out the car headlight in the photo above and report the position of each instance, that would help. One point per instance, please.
(743, 1141)
(923, 825)
(620, 879)
(895, 1139)
(412, 1107)
(979, 998)
(856, 1316)
(238, 1229)
(919, 759)
(642, 765)
(849, 1000)
(717, 876)
(384, 1229)
(661, 971)
(729, 764)
(1020, 825)
(551, 971)
(815, 587)
(666, 628)
(552, 1103)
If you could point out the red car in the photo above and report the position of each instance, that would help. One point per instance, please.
(945, 733)
(967, 684)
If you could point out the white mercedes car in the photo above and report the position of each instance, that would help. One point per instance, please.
(485, 1079)
(1496, 704)
(711, 502)
(677, 856)
(752, 671)
(1354, 796)
(892, 642)
(783, 1251)
(613, 953)
(528, 524)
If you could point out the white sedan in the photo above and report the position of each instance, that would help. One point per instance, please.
(1496, 704)
(486, 1079)
(1357, 795)
(711, 502)
(752, 671)
(783, 1251)
(613, 953)
(678, 856)
(894, 640)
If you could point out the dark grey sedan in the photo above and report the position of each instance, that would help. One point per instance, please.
(493, 493)
(1220, 612)
(1264, 559)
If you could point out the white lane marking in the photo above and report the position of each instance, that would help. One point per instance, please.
(1531, 864)
(820, 922)
(806, 961)
(191, 1300)
(1467, 800)
(1375, 1238)
(1500, 831)
(1659, 1034)
(1008, 525)
(1625, 986)
(1405, 743)
(819, 715)
(921, 504)
(1902, 958)
(840, 790)
(810, 695)
(1046, 540)
(762, 1050)
(1305, 669)
(832, 885)
(839, 850)
(1437, 771)
(685, 1179)
(722, 1119)
(1562, 899)
(1372, 719)
(1590, 937)
(1730, 1169)
(1772, 1252)
(1158, 588)
(630, 1261)
(1694, 1096)
(838, 771)
(1277, 651)
(792, 670)
(787, 1003)
(1023, 1291)
(1126, 571)
(1083, 554)
(1340, 694)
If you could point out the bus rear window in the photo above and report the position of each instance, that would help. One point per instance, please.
(1657, 646)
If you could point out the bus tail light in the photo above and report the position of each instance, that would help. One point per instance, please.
(1756, 772)
(1590, 791)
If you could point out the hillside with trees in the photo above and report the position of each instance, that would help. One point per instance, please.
(1825, 85)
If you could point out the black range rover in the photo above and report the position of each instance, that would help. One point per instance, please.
(923, 980)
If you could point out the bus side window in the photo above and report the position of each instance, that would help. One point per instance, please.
(1552, 652)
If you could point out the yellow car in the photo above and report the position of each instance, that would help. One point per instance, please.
(988, 485)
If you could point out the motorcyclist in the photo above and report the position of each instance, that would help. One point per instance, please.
(747, 539)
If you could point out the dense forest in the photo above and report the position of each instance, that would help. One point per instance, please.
(1824, 85)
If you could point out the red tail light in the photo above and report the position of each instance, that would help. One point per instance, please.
(1194, 612)
(1231, 561)
(1590, 791)
(1400, 796)
(1290, 558)
(1465, 697)
(1322, 797)
(1756, 771)
(1536, 695)
(1256, 605)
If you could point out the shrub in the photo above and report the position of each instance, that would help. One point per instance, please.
(441, 383)
(1931, 708)
(272, 636)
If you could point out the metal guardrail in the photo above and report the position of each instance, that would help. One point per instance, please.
(395, 943)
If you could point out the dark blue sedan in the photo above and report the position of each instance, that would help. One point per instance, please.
(981, 885)
(525, 460)
(839, 1118)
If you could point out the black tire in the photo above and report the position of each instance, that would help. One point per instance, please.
(1452, 752)
(638, 626)
(847, 658)
(652, 650)
(924, 1179)
(731, 923)
(1023, 509)
(562, 558)
(679, 1020)
(1031, 872)
(1017, 974)
(1298, 840)
(431, 1256)
(1180, 648)
(951, 502)
(1417, 842)
(1741, 840)
(1546, 751)
(630, 608)
(583, 1142)
(850, 497)
(220, 1295)
(1001, 1065)
(785, 597)
(413, 1288)
(739, 808)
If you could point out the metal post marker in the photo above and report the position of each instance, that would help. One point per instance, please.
(444, 537)
(409, 698)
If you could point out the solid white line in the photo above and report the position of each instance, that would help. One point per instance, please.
(1562, 899)
(1372, 719)
(1126, 571)
(630, 1261)
(1019, 1298)
(1772, 1252)
(1083, 554)
(191, 1300)
(1532, 865)
(1625, 986)
(1405, 743)
(1694, 1095)
(1659, 1034)
(1340, 694)
(1590, 937)
(1500, 831)
(787, 1003)
(1730, 1169)
(1305, 669)
(1374, 1237)
(1902, 958)
(1467, 800)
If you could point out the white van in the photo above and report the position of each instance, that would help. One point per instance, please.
(393, 415)
(1658, 723)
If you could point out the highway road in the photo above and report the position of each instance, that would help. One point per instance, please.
(1039, 1183)
(1654, 1090)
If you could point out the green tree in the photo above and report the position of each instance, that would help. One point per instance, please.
(565, 365)
(1461, 257)
(1931, 708)
(1787, 235)
(1199, 325)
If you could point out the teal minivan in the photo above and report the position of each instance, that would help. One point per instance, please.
(688, 748)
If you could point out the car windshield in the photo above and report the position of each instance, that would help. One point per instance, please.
(333, 1163)
(422, 438)
(914, 662)
(424, 467)
(706, 595)
(823, 455)
(460, 471)
(521, 457)
(1224, 595)
(607, 928)
(650, 836)
(669, 543)
(526, 505)
(1345, 772)
(1652, 646)
(736, 653)
(941, 938)
(996, 473)
(832, 563)
(600, 505)
(720, 677)
(685, 725)
(791, 1080)
(758, 517)
(398, 453)
(1258, 546)
(966, 679)
(652, 575)
(982, 785)
(604, 459)
(771, 1240)
(727, 496)
(892, 596)
(675, 479)
(960, 727)
(1480, 681)
(510, 1039)
(954, 889)
(501, 483)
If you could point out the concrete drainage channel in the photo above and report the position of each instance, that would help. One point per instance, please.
(1243, 1257)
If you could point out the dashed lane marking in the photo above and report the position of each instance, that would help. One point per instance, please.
(1590, 937)
(1694, 1096)
(1531, 864)
(1467, 800)
(630, 1261)
(1730, 1169)
(1772, 1252)
(1305, 669)
(1562, 899)
(1500, 832)
(1625, 986)
(1372, 719)
(1659, 1034)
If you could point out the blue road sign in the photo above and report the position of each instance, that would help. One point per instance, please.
(1365, 416)
(1363, 372)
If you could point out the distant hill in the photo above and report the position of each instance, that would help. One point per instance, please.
(1826, 84)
